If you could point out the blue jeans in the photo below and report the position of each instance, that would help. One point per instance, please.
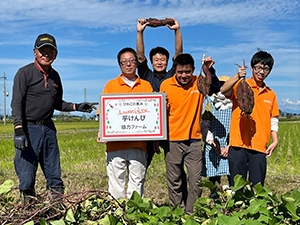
(42, 148)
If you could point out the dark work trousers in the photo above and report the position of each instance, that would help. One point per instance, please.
(180, 154)
(242, 160)
(150, 150)
(164, 144)
(42, 148)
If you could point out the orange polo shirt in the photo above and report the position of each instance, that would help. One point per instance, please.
(253, 133)
(118, 85)
(184, 108)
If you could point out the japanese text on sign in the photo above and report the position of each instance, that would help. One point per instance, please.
(132, 116)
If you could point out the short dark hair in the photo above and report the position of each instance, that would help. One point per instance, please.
(159, 50)
(184, 59)
(262, 57)
(124, 50)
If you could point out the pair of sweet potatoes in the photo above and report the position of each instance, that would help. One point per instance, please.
(245, 94)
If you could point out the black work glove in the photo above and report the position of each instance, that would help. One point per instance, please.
(86, 106)
(20, 139)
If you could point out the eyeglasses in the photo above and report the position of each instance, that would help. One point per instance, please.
(125, 62)
(259, 68)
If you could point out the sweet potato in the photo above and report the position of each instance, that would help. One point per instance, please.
(204, 82)
(153, 22)
(245, 98)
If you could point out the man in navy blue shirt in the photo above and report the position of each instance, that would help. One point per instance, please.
(159, 58)
(37, 92)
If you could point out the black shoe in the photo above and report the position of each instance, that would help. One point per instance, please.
(56, 191)
(27, 196)
(214, 194)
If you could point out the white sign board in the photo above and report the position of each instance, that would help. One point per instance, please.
(136, 116)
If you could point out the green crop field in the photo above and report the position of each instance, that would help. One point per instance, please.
(83, 161)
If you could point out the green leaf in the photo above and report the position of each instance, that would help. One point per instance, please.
(190, 222)
(239, 183)
(29, 223)
(253, 209)
(136, 202)
(238, 203)
(136, 198)
(43, 222)
(58, 222)
(264, 218)
(143, 206)
(264, 210)
(278, 197)
(234, 221)
(113, 220)
(207, 183)
(144, 216)
(292, 209)
(161, 212)
(287, 199)
(178, 212)
(296, 196)
(6, 186)
(260, 190)
(256, 206)
(104, 221)
(223, 219)
(253, 222)
(70, 216)
(203, 201)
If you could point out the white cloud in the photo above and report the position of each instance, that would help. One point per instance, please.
(81, 23)
(289, 102)
(121, 14)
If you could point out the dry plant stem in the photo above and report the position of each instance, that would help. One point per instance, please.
(57, 207)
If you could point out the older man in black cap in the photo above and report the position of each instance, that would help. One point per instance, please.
(37, 92)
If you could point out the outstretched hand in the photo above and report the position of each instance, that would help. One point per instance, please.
(141, 25)
(175, 26)
(209, 62)
(86, 106)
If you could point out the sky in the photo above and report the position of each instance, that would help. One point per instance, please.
(90, 33)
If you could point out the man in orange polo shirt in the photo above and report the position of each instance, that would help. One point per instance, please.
(126, 155)
(184, 105)
(249, 137)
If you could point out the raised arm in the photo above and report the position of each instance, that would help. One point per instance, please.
(226, 89)
(178, 38)
(140, 48)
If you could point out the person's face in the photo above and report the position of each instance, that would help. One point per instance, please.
(260, 73)
(184, 73)
(159, 63)
(45, 55)
(128, 65)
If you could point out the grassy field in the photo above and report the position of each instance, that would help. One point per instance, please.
(84, 165)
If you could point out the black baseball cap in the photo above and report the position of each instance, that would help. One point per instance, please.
(45, 39)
